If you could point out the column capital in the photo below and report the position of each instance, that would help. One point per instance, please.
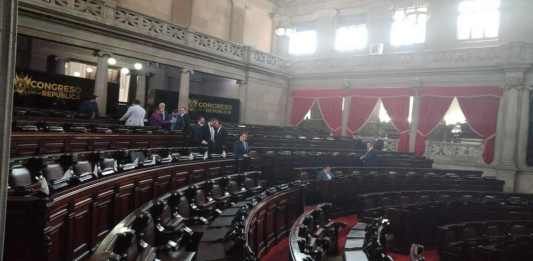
(186, 70)
(101, 53)
(514, 79)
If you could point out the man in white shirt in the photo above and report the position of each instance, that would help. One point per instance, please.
(135, 115)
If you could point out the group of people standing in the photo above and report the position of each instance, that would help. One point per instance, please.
(179, 119)
(209, 134)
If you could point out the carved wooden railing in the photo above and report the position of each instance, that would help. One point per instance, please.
(107, 14)
(455, 153)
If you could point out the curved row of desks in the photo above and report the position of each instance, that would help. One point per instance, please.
(69, 224)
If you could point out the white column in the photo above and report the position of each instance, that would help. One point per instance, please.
(508, 128)
(414, 122)
(141, 87)
(185, 79)
(100, 83)
(346, 115)
(523, 135)
(509, 120)
(8, 36)
(243, 96)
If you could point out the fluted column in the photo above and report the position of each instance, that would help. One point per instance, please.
(185, 87)
(346, 115)
(100, 83)
(243, 96)
(140, 94)
(8, 36)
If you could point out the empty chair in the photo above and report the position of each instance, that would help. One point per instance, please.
(169, 226)
(21, 180)
(56, 177)
(107, 166)
(184, 209)
(144, 228)
(125, 247)
(236, 191)
(83, 171)
(249, 184)
(203, 204)
(221, 197)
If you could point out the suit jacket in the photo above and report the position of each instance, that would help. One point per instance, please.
(89, 107)
(239, 149)
(322, 175)
(371, 158)
(160, 119)
(134, 116)
(216, 146)
(199, 133)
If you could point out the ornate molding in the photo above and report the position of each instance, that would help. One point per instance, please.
(499, 57)
(470, 154)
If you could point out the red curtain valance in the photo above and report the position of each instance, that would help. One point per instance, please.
(464, 91)
(363, 92)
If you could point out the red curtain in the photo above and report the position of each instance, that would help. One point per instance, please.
(431, 112)
(481, 114)
(398, 110)
(360, 110)
(300, 107)
(331, 109)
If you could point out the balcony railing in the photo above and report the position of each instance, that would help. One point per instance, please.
(120, 18)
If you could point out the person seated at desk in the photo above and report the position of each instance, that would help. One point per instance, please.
(371, 156)
(326, 174)
(135, 115)
(240, 147)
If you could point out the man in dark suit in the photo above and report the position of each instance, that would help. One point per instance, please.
(200, 133)
(89, 107)
(217, 136)
(240, 147)
(371, 156)
(326, 174)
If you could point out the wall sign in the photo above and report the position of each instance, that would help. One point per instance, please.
(50, 91)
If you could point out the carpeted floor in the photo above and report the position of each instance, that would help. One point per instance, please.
(280, 252)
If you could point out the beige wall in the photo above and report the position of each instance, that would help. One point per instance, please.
(258, 27)
(161, 10)
(182, 12)
(212, 17)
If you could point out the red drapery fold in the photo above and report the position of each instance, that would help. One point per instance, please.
(398, 110)
(360, 110)
(431, 111)
(300, 107)
(331, 109)
(481, 114)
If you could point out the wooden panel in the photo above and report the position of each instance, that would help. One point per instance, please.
(180, 180)
(80, 235)
(214, 172)
(56, 233)
(162, 185)
(124, 201)
(52, 146)
(103, 218)
(270, 223)
(144, 192)
(197, 175)
(281, 218)
(260, 238)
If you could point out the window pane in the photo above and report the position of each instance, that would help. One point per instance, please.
(478, 19)
(303, 42)
(409, 26)
(351, 38)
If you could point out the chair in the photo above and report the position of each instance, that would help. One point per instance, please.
(108, 166)
(21, 180)
(249, 184)
(205, 206)
(125, 247)
(184, 209)
(83, 171)
(237, 192)
(222, 198)
(169, 227)
(56, 177)
(144, 228)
